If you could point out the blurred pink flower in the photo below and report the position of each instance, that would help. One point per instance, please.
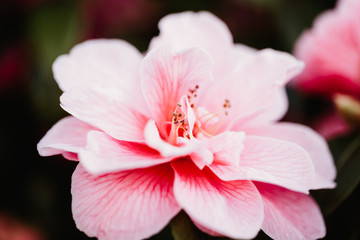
(330, 51)
(191, 125)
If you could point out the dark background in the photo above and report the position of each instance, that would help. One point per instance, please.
(35, 200)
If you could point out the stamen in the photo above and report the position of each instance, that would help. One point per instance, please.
(226, 105)
(206, 114)
(204, 132)
(207, 120)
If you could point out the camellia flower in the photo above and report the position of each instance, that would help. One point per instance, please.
(330, 51)
(189, 126)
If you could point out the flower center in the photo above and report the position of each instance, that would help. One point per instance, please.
(189, 122)
(179, 124)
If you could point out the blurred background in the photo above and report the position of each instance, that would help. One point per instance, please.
(35, 199)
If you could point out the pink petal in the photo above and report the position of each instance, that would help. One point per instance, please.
(153, 140)
(107, 109)
(106, 62)
(278, 162)
(227, 147)
(242, 53)
(66, 137)
(125, 205)
(255, 96)
(290, 215)
(233, 209)
(166, 77)
(189, 29)
(104, 154)
(314, 144)
(228, 172)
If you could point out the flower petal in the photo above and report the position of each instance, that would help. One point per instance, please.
(65, 137)
(189, 29)
(290, 215)
(255, 96)
(233, 209)
(153, 140)
(226, 147)
(125, 205)
(314, 144)
(166, 77)
(104, 154)
(107, 109)
(278, 162)
(107, 62)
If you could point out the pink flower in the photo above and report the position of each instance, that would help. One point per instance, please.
(189, 126)
(330, 51)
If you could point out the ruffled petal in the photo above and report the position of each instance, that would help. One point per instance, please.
(167, 76)
(189, 29)
(222, 150)
(233, 209)
(106, 108)
(66, 137)
(104, 154)
(125, 205)
(253, 96)
(290, 215)
(107, 62)
(278, 162)
(227, 147)
(313, 143)
(153, 140)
